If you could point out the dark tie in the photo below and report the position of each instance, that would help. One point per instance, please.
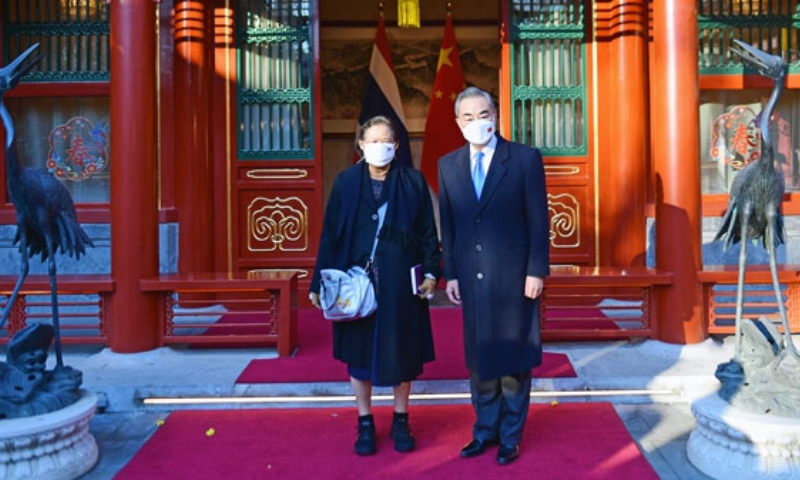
(477, 174)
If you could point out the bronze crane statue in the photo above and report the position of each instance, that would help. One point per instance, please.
(756, 194)
(46, 218)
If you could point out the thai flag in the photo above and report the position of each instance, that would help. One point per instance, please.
(382, 96)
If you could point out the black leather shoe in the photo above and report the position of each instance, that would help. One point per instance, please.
(476, 447)
(507, 454)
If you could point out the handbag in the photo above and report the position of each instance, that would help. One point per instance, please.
(349, 295)
(346, 295)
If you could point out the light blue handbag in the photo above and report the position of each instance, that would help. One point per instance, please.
(346, 295)
(349, 295)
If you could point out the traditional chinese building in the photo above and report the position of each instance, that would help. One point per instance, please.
(204, 135)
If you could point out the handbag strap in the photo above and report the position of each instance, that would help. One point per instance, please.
(381, 216)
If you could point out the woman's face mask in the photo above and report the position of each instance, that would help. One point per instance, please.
(378, 154)
(479, 131)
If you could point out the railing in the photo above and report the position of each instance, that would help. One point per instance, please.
(260, 309)
(719, 295)
(600, 302)
(82, 303)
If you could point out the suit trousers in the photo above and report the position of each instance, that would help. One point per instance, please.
(501, 406)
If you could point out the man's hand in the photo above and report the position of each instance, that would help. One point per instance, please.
(427, 288)
(533, 287)
(453, 293)
(314, 297)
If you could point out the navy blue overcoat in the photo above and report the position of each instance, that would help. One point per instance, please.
(490, 246)
(408, 237)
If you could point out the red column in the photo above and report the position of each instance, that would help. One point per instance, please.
(192, 87)
(133, 315)
(676, 140)
(623, 173)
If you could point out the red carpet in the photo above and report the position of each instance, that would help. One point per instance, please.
(566, 441)
(314, 361)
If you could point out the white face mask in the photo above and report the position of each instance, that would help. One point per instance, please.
(378, 154)
(479, 132)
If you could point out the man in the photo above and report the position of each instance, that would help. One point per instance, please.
(495, 238)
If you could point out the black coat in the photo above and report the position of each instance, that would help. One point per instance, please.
(490, 246)
(408, 237)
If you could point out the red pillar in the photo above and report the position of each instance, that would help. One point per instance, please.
(192, 87)
(133, 315)
(623, 169)
(676, 141)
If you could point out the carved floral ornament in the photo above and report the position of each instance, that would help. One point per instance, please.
(277, 224)
(565, 220)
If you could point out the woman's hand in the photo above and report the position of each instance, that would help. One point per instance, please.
(314, 297)
(427, 288)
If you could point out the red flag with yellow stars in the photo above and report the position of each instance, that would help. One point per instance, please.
(442, 134)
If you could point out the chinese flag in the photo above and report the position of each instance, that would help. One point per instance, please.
(442, 134)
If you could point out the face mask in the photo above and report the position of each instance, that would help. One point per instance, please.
(378, 154)
(479, 132)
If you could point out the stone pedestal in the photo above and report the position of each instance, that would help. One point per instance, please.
(55, 445)
(730, 443)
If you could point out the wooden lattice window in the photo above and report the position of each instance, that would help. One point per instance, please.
(729, 107)
(771, 25)
(61, 107)
(548, 88)
(274, 91)
(73, 35)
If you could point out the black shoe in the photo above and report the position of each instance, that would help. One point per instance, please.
(404, 440)
(366, 443)
(507, 454)
(476, 447)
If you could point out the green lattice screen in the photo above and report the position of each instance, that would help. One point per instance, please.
(72, 35)
(274, 91)
(548, 88)
(771, 25)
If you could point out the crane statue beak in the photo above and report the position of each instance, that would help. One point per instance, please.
(771, 66)
(11, 74)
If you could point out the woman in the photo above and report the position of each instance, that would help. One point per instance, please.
(390, 346)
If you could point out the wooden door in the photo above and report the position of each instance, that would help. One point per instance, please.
(268, 185)
(546, 102)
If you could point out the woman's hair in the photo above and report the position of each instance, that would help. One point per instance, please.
(470, 92)
(376, 120)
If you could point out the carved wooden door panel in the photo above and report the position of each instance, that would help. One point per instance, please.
(549, 105)
(270, 190)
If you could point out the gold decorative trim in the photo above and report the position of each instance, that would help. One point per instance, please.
(301, 272)
(565, 221)
(225, 17)
(277, 173)
(277, 224)
(561, 170)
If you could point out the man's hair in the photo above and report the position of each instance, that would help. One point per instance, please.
(470, 92)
